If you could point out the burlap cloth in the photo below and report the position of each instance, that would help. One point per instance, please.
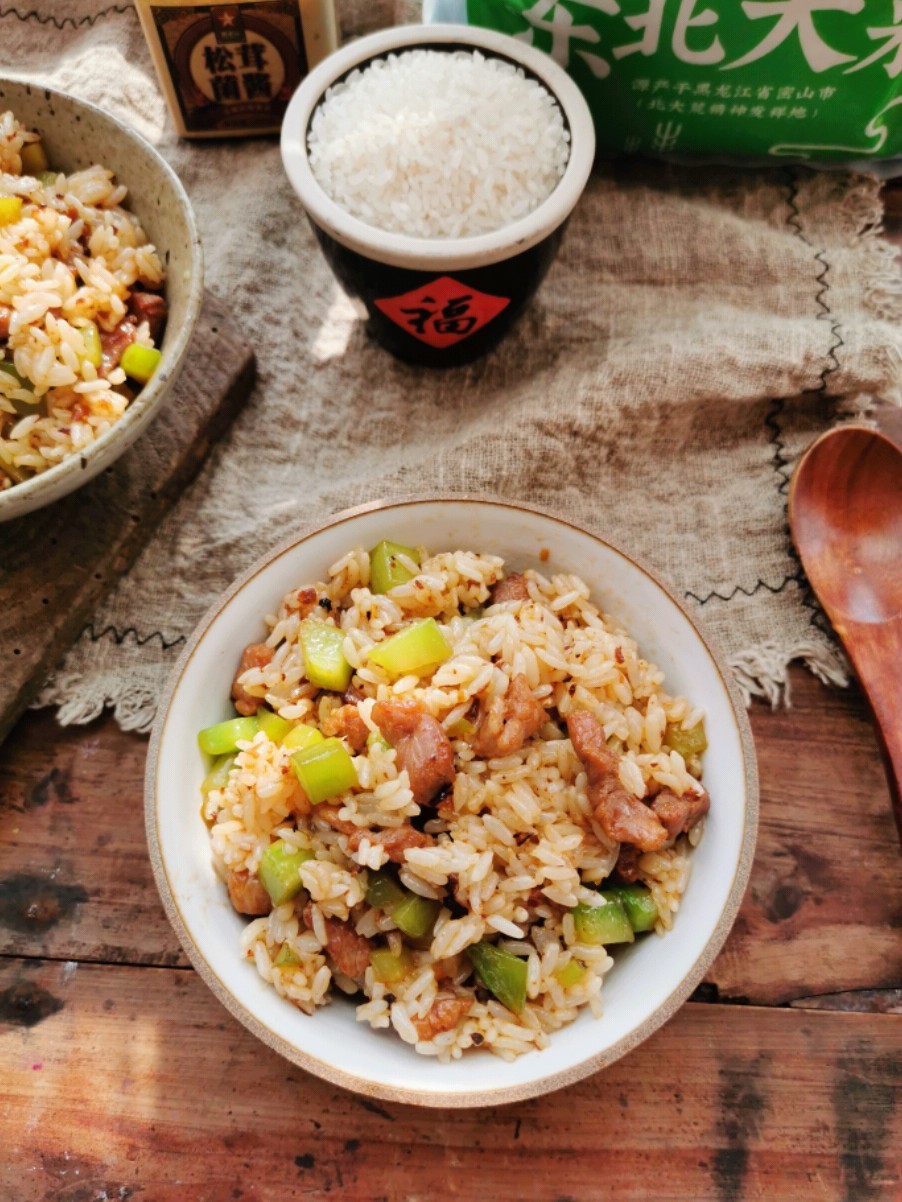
(699, 328)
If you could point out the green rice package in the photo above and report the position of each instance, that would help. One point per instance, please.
(806, 80)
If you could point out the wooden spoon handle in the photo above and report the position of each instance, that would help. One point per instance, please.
(876, 652)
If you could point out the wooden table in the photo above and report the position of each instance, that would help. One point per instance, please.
(121, 1075)
(121, 1072)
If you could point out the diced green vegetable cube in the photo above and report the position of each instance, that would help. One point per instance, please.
(686, 742)
(278, 871)
(412, 914)
(93, 349)
(34, 158)
(324, 660)
(48, 178)
(502, 973)
(600, 925)
(416, 915)
(302, 736)
(389, 968)
(225, 736)
(218, 776)
(386, 569)
(324, 770)
(639, 905)
(287, 957)
(417, 648)
(273, 726)
(383, 891)
(461, 729)
(10, 209)
(569, 974)
(140, 362)
(374, 738)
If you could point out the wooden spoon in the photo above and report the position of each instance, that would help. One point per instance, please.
(845, 513)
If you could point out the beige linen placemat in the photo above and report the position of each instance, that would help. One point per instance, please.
(698, 330)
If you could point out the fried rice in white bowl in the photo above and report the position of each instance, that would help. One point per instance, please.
(100, 288)
(450, 802)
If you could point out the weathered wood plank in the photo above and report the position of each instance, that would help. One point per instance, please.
(824, 904)
(100, 1093)
(75, 880)
(862, 1001)
(821, 916)
(57, 563)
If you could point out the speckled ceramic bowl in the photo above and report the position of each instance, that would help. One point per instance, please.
(652, 977)
(77, 134)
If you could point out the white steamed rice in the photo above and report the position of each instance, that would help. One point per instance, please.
(436, 144)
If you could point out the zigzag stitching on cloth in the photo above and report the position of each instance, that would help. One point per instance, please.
(62, 23)
(793, 577)
(795, 216)
(120, 636)
(794, 221)
(835, 326)
(816, 616)
(781, 466)
(779, 460)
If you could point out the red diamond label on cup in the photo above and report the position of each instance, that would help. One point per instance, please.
(442, 312)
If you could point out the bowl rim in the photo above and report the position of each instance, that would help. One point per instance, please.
(25, 497)
(433, 1098)
(455, 254)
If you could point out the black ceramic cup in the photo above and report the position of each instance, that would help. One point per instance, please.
(439, 301)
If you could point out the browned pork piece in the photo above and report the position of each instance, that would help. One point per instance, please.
(349, 952)
(508, 721)
(5, 315)
(114, 343)
(511, 588)
(255, 655)
(152, 308)
(395, 841)
(446, 1012)
(628, 863)
(247, 894)
(680, 814)
(422, 746)
(621, 815)
(346, 723)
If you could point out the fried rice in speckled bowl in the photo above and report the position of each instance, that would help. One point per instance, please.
(79, 284)
(100, 291)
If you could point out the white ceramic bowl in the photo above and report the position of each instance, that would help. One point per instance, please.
(651, 978)
(77, 134)
(401, 250)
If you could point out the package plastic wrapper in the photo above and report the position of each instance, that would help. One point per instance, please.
(815, 81)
